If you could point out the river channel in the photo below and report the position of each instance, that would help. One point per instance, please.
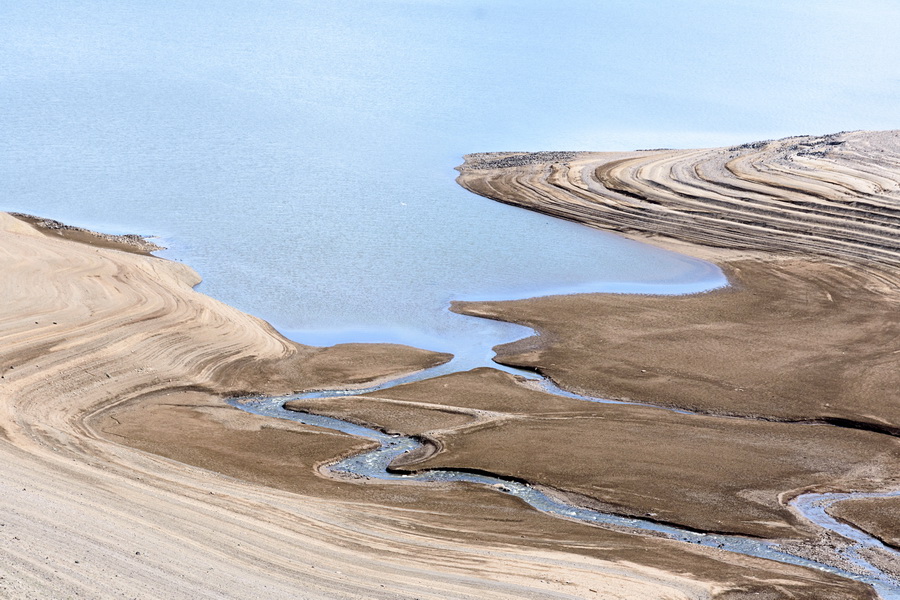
(851, 554)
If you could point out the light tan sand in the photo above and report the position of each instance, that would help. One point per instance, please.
(834, 196)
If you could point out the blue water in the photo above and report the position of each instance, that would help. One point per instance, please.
(306, 148)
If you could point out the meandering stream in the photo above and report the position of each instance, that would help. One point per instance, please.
(375, 464)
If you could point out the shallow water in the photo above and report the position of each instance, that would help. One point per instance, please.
(307, 148)
(302, 148)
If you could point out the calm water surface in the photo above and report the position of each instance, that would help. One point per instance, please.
(299, 154)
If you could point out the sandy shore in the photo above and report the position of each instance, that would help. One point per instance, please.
(112, 366)
(830, 196)
(124, 474)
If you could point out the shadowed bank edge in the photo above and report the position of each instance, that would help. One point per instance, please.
(136, 478)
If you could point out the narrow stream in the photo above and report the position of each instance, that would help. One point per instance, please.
(375, 464)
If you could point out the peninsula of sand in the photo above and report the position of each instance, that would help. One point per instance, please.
(124, 473)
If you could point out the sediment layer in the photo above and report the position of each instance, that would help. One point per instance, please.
(129, 464)
(833, 196)
(805, 228)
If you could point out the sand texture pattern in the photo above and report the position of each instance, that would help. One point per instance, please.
(833, 196)
(806, 335)
(93, 505)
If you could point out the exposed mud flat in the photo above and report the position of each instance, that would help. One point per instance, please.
(805, 227)
(791, 340)
(706, 473)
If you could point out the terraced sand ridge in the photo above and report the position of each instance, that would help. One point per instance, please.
(835, 196)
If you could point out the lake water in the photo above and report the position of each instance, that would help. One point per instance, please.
(300, 154)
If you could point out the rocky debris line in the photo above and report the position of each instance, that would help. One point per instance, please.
(507, 160)
(802, 145)
(751, 146)
(131, 240)
(836, 195)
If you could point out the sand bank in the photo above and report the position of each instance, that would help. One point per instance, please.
(136, 479)
(833, 196)
(807, 230)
